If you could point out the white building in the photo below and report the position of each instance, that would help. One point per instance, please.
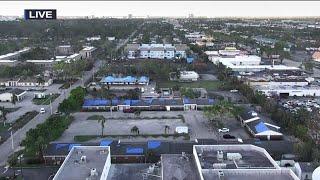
(25, 82)
(188, 76)
(85, 162)
(299, 91)
(14, 55)
(87, 52)
(241, 162)
(10, 63)
(156, 51)
(7, 95)
(236, 61)
(64, 50)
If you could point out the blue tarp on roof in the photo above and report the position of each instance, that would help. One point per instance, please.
(105, 142)
(134, 150)
(143, 79)
(59, 146)
(261, 127)
(153, 144)
(186, 100)
(190, 59)
(211, 101)
(95, 102)
(71, 146)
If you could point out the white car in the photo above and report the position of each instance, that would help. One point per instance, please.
(224, 130)
(42, 110)
(233, 90)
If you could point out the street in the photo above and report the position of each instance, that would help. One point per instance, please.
(6, 148)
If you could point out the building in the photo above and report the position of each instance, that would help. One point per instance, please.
(14, 55)
(87, 52)
(258, 128)
(7, 95)
(128, 80)
(155, 51)
(64, 50)
(240, 62)
(85, 162)
(154, 104)
(237, 162)
(194, 36)
(316, 56)
(46, 64)
(25, 82)
(10, 63)
(188, 76)
(285, 91)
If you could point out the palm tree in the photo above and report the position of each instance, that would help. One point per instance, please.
(135, 129)
(102, 121)
(166, 129)
(3, 114)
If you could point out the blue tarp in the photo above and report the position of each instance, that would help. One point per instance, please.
(71, 146)
(211, 101)
(95, 102)
(190, 59)
(127, 79)
(261, 127)
(134, 150)
(59, 146)
(153, 144)
(186, 101)
(105, 142)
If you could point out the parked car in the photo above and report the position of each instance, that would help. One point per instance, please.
(228, 136)
(42, 110)
(234, 90)
(57, 113)
(224, 130)
(128, 111)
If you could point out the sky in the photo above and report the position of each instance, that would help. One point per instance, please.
(167, 8)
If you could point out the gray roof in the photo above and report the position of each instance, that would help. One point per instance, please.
(174, 166)
(74, 168)
(129, 171)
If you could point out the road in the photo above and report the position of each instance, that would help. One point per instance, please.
(19, 135)
(126, 41)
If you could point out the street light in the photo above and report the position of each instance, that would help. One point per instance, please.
(20, 157)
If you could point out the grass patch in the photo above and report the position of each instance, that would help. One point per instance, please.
(209, 85)
(46, 100)
(84, 138)
(96, 117)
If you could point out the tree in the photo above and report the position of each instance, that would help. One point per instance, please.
(166, 129)
(135, 129)
(14, 99)
(102, 122)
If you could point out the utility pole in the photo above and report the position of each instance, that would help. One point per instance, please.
(12, 141)
(50, 106)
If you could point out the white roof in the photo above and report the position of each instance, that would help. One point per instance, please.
(40, 61)
(316, 174)
(7, 61)
(89, 48)
(269, 132)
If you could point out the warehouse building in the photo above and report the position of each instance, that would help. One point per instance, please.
(7, 95)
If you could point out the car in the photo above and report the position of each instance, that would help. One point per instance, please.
(233, 90)
(57, 113)
(224, 130)
(228, 136)
(42, 110)
(128, 111)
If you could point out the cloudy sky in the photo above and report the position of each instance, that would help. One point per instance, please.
(167, 8)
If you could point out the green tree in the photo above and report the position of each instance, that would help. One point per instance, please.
(102, 123)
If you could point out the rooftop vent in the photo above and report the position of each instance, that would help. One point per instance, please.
(93, 172)
(184, 156)
(83, 159)
(219, 155)
(234, 156)
(221, 175)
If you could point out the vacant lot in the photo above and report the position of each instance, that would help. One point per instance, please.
(121, 125)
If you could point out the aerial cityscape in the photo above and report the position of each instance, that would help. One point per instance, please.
(151, 97)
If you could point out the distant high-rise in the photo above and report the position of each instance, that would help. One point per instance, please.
(130, 16)
(191, 15)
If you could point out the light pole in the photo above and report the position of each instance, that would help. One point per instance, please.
(20, 157)
(50, 106)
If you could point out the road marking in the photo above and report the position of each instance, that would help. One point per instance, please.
(5, 169)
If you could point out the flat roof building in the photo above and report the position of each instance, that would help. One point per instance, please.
(85, 162)
(237, 162)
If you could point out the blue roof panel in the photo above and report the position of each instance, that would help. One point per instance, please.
(134, 150)
(71, 146)
(261, 127)
(153, 144)
(105, 142)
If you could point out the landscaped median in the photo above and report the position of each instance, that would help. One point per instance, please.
(84, 138)
(19, 123)
(46, 100)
